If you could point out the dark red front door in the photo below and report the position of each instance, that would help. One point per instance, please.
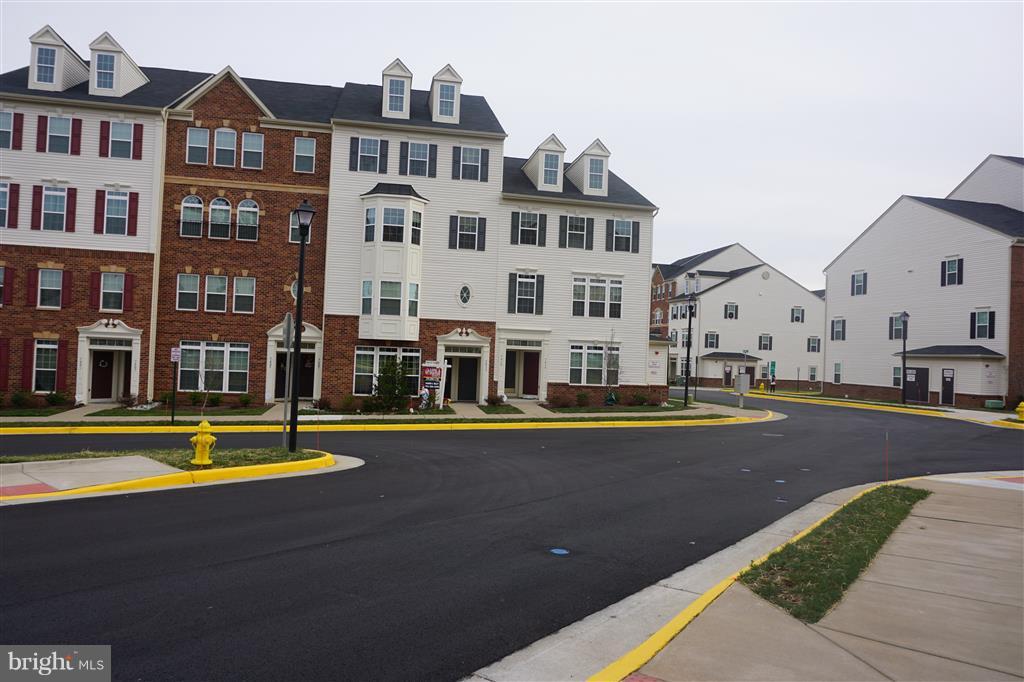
(102, 374)
(531, 373)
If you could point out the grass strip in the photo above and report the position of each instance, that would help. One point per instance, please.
(181, 412)
(808, 577)
(500, 409)
(33, 411)
(180, 457)
(611, 409)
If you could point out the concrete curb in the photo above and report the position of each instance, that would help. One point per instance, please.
(325, 459)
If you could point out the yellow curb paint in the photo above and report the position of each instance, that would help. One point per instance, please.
(325, 459)
(639, 656)
(1002, 423)
(323, 428)
(857, 406)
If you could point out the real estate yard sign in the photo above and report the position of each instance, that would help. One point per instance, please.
(432, 375)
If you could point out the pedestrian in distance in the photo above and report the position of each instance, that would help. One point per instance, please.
(771, 384)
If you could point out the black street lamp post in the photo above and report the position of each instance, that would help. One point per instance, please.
(904, 318)
(305, 214)
(691, 305)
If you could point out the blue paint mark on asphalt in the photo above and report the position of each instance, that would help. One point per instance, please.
(558, 551)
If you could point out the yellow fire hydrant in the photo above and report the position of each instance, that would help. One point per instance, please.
(203, 443)
(760, 387)
(1020, 411)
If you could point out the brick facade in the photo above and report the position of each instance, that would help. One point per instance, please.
(271, 259)
(893, 395)
(567, 393)
(660, 302)
(21, 321)
(1015, 390)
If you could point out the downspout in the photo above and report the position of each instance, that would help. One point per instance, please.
(158, 213)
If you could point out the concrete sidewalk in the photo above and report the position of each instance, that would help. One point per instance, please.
(943, 600)
(25, 478)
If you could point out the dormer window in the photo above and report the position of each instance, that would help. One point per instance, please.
(596, 174)
(396, 95)
(551, 169)
(105, 71)
(46, 63)
(446, 100)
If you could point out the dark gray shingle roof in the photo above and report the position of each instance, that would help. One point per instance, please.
(165, 87)
(1015, 159)
(820, 293)
(393, 188)
(296, 101)
(673, 269)
(1004, 219)
(619, 191)
(729, 276)
(954, 351)
(361, 102)
(725, 355)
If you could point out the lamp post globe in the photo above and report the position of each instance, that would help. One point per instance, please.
(304, 216)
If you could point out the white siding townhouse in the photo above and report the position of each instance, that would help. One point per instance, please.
(749, 318)
(956, 266)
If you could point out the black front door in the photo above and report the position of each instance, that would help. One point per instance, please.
(948, 388)
(307, 373)
(727, 381)
(917, 384)
(102, 387)
(510, 372)
(468, 368)
(280, 375)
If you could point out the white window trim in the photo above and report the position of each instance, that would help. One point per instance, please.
(414, 297)
(544, 169)
(718, 339)
(181, 217)
(360, 155)
(535, 229)
(606, 350)
(206, 294)
(62, 191)
(479, 162)
(812, 372)
(206, 147)
(441, 100)
(797, 313)
(246, 210)
(248, 135)
(226, 347)
(377, 357)
(425, 160)
(218, 204)
(234, 148)
(103, 290)
(49, 133)
(858, 283)
(383, 224)
(381, 298)
(591, 174)
(365, 296)
(816, 345)
(837, 371)
(39, 49)
(298, 230)
(234, 296)
(178, 291)
(49, 343)
(735, 311)
(610, 283)
(475, 232)
(764, 342)
(39, 290)
(402, 96)
(106, 212)
(131, 140)
(522, 277)
(296, 155)
(978, 326)
(569, 232)
(5, 190)
(616, 224)
(112, 72)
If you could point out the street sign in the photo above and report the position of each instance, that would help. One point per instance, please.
(176, 354)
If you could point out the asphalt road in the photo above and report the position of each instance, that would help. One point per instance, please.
(433, 559)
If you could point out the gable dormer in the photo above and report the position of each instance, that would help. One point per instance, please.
(53, 65)
(396, 84)
(112, 73)
(544, 167)
(446, 95)
(589, 172)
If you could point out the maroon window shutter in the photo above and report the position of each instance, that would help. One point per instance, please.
(65, 289)
(37, 206)
(104, 138)
(69, 213)
(18, 129)
(133, 213)
(28, 361)
(129, 292)
(13, 193)
(8, 285)
(137, 141)
(42, 121)
(62, 365)
(100, 211)
(5, 364)
(94, 289)
(31, 288)
(76, 136)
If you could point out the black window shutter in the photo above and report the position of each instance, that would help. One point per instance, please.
(512, 282)
(590, 234)
(382, 163)
(485, 155)
(706, 340)
(453, 232)
(959, 270)
(542, 230)
(515, 227)
(725, 311)
(538, 308)
(769, 343)
(634, 243)
(609, 235)
(865, 281)
(942, 273)
(353, 153)
(853, 279)
(432, 161)
(737, 312)
(832, 332)
(456, 163)
(892, 326)
(992, 324)
(403, 158)
(481, 234)
(563, 230)
(974, 321)
(808, 345)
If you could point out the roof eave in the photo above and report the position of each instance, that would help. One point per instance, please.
(563, 200)
(42, 99)
(458, 132)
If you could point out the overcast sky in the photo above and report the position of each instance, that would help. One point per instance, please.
(786, 127)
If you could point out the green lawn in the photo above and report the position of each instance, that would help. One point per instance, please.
(501, 409)
(32, 411)
(180, 411)
(436, 410)
(809, 576)
(180, 457)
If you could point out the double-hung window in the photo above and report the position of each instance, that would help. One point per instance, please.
(764, 342)
(58, 135)
(46, 62)
(414, 299)
(529, 226)
(446, 100)
(417, 227)
(897, 376)
(44, 376)
(252, 150)
(121, 139)
(615, 298)
(396, 95)
(579, 296)
(54, 208)
(364, 370)
(367, 307)
(238, 367)
(983, 324)
(467, 232)
(220, 218)
(838, 330)
(859, 284)
(390, 298)
(419, 155)
(596, 174)
(191, 216)
(216, 293)
(897, 330)
(813, 344)
(115, 219)
(470, 163)
(593, 365)
(732, 311)
(623, 236)
(112, 291)
(202, 367)
(188, 292)
(6, 129)
(526, 293)
(4, 203)
(105, 71)
(551, 169)
(369, 222)
(597, 294)
(305, 154)
(51, 283)
(393, 227)
(248, 228)
(596, 297)
(198, 146)
(244, 300)
(837, 373)
(224, 143)
(369, 154)
(952, 272)
(294, 231)
(796, 314)
(576, 232)
(812, 373)
(369, 361)
(711, 340)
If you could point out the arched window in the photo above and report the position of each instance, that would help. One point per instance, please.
(191, 216)
(248, 221)
(220, 218)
